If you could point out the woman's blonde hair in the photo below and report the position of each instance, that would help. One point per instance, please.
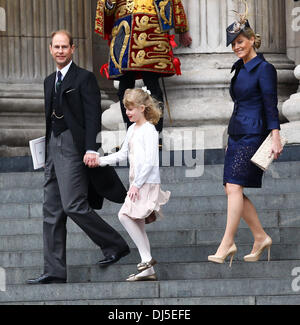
(139, 96)
(249, 33)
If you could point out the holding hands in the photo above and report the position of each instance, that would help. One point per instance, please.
(91, 160)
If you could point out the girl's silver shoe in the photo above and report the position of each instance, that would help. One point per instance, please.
(146, 265)
(135, 277)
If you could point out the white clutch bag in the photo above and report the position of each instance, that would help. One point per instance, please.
(262, 157)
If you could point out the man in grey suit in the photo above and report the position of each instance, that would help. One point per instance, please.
(72, 186)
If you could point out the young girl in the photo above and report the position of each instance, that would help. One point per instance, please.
(144, 197)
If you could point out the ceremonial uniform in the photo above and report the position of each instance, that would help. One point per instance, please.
(140, 44)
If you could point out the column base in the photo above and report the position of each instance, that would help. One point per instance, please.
(291, 131)
(22, 117)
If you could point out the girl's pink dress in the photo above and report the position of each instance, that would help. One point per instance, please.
(151, 197)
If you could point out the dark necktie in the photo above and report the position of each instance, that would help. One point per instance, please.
(59, 81)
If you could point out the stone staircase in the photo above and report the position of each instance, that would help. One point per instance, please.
(21, 117)
(193, 225)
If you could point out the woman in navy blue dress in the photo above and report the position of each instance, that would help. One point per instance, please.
(254, 92)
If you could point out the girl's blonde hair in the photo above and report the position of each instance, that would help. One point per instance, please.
(138, 96)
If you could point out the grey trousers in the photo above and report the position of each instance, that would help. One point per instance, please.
(65, 194)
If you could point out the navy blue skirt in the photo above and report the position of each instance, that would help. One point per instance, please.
(238, 169)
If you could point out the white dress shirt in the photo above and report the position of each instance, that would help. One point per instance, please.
(63, 71)
(146, 154)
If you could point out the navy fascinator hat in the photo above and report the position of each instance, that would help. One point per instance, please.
(236, 28)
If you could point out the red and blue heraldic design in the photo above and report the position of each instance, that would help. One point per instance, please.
(139, 37)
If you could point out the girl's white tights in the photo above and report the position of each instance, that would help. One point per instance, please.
(136, 230)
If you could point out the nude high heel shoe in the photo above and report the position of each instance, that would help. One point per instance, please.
(221, 259)
(255, 256)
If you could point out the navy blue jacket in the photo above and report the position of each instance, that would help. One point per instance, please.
(254, 92)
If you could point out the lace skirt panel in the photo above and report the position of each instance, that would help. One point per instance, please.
(238, 169)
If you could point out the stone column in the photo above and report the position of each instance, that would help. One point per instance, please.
(293, 30)
(2, 20)
(291, 109)
(25, 44)
(200, 98)
(25, 61)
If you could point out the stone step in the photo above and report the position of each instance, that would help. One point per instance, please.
(241, 300)
(172, 254)
(234, 301)
(6, 151)
(27, 120)
(19, 137)
(182, 204)
(169, 175)
(187, 159)
(148, 290)
(211, 188)
(278, 300)
(80, 240)
(27, 218)
(164, 271)
(200, 188)
(269, 218)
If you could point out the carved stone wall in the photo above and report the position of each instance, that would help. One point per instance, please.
(24, 46)
(25, 61)
(206, 65)
(209, 19)
(198, 98)
(293, 30)
(291, 107)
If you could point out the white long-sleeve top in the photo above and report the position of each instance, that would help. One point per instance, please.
(146, 154)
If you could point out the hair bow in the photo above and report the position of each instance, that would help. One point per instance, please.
(146, 90)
